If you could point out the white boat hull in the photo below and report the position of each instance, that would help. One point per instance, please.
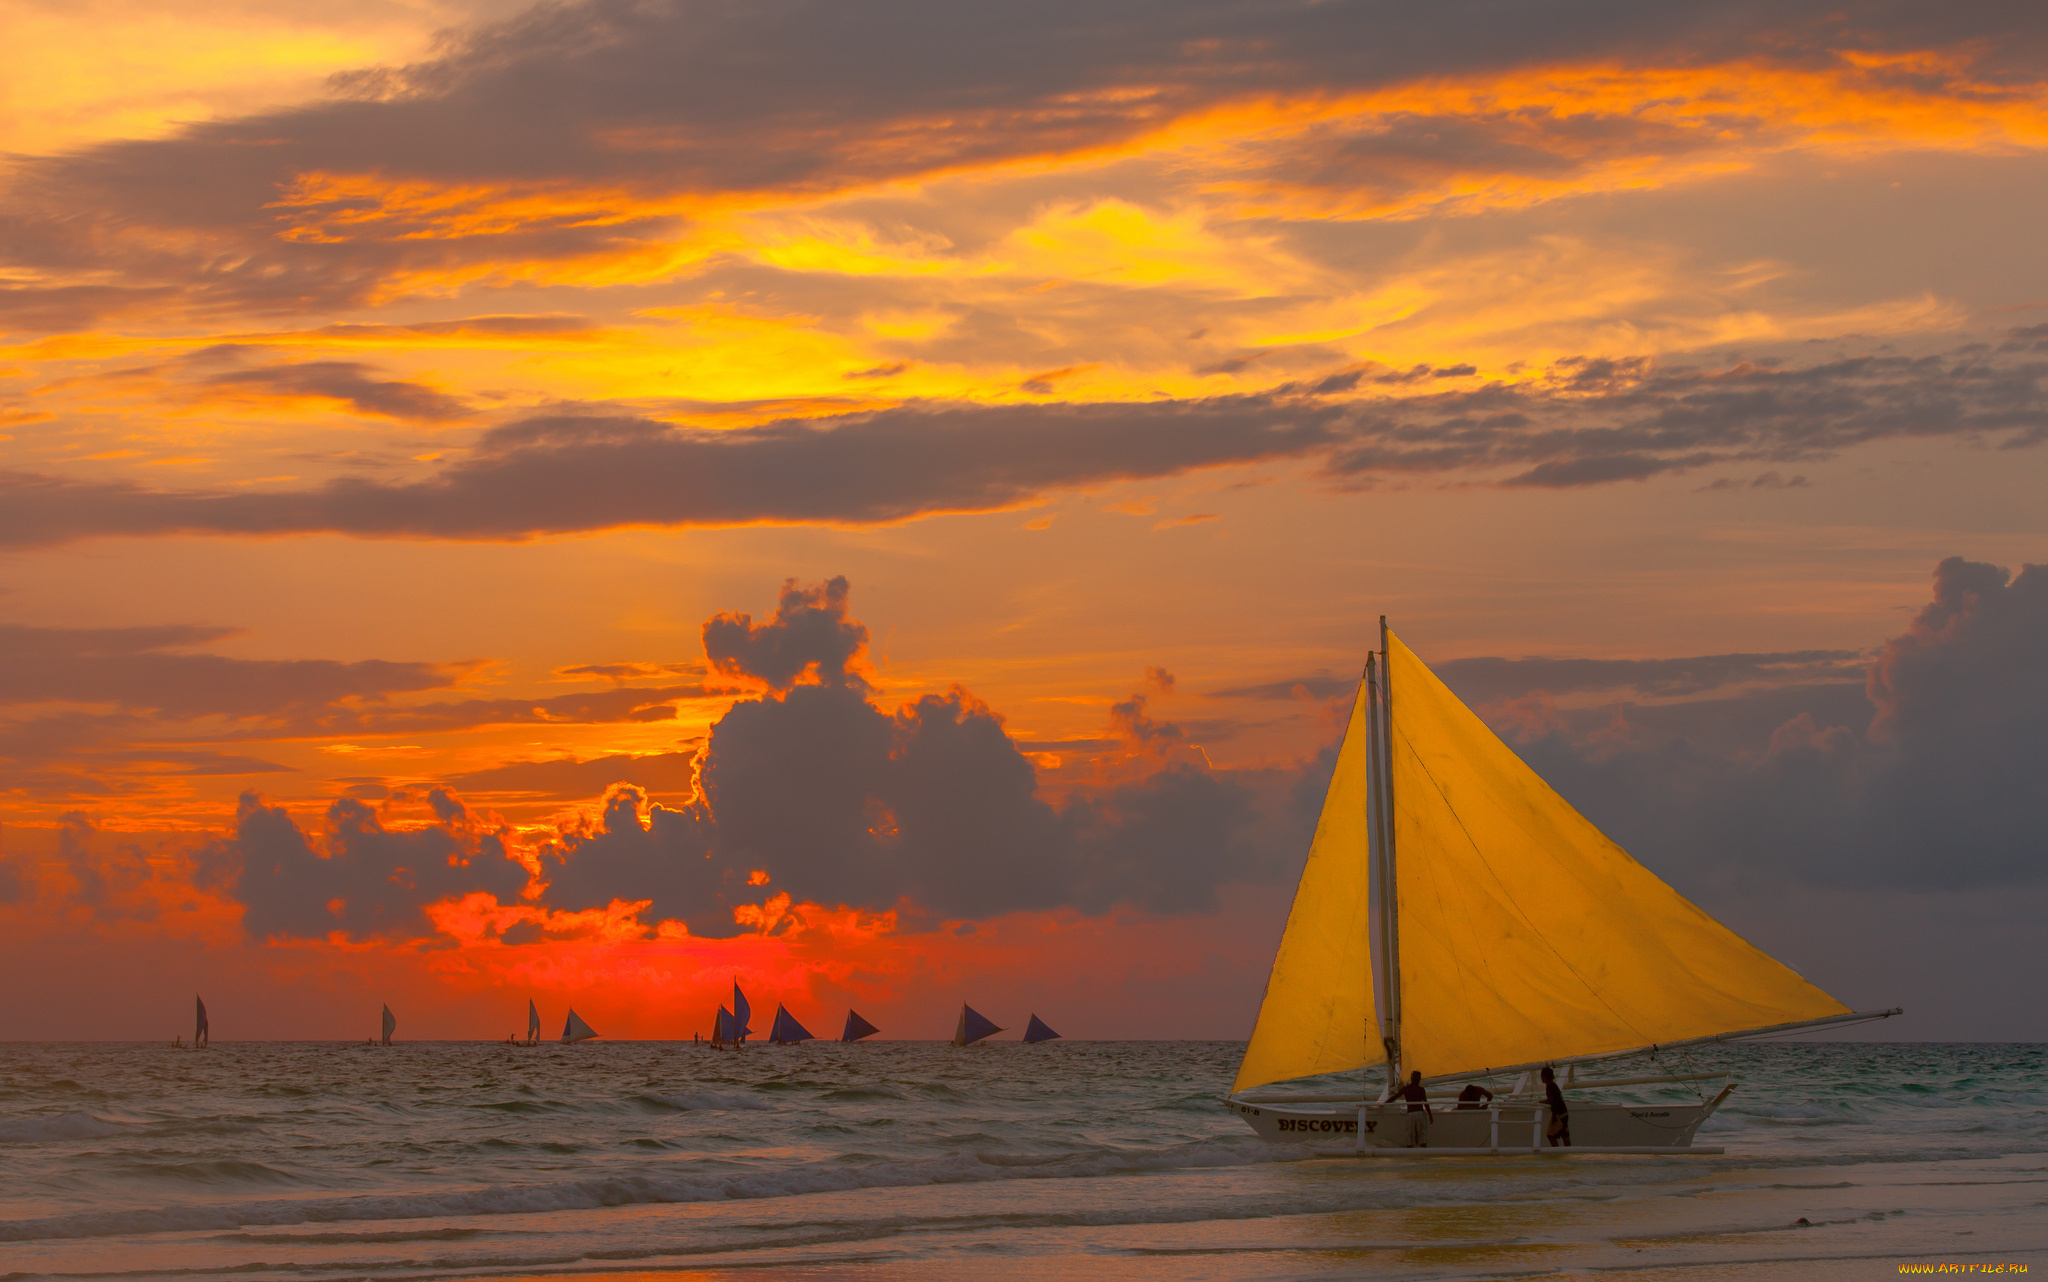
(1518, 1127)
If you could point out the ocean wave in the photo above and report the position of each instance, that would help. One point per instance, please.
(596, 1193)
(707, 1101)
(37, 1129)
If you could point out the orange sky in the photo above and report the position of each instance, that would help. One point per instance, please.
(391, 398)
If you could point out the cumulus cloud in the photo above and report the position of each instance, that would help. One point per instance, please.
(810, 635)
(1927, 779)
(1924, 774)
(843, 802)
(809, 789)
(355, 875)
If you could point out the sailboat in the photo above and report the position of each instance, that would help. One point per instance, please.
(200, 1034)
(1458, 919)
(390, 1023)
(721, 1028)
(973, 1026)
(741, 1012)
(856, 1027)
(785, 1030)
(575, 1030)
(532, 1023)
(1037, 1031)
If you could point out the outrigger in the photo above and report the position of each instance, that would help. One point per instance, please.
(1459, 919)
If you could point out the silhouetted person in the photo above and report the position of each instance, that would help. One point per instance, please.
(1473, 1093)
(1560, 1130)
(1419, 1115)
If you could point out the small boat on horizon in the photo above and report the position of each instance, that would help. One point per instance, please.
(575, 1030)
(201, 1038)
(1459, 913)
(1036, 1031)
(856, 1027)
(390, 1025)
(532, 1023)
(785, 1031)
(973, 1027)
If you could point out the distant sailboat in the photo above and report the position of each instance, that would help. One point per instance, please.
(721, 1027)
(857, 1028)
(532, 1023)
(575, 1030)
(1036, 1031)
(785, 1029)
(1458, 919)
(741, 1012)
(973, 1026)
(199, 1031)
(390, 1023)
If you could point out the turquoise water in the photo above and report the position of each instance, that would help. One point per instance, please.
(318, 1160)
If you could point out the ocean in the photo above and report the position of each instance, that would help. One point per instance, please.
(315, 1161)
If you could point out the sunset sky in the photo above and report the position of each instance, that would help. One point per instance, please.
(888, 502)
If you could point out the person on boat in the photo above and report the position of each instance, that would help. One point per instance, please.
(1559, 1131)
(1420, 1118)
(1472, 1096)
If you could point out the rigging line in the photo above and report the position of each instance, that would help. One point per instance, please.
(1510, 899)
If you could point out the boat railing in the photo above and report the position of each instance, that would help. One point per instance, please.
(1498, 1114)
(1352, 1097)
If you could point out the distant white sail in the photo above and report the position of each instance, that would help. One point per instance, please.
(575, 1030)
(532, 1021)
(973, 1026)
(390, 1022)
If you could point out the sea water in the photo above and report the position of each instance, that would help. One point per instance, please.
(314, 1161)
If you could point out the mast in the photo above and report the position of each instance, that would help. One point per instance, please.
(1377, 853)
(1389, 893)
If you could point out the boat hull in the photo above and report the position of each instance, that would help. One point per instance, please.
(1627, 1127)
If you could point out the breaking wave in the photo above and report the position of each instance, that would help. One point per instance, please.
(628, 1190)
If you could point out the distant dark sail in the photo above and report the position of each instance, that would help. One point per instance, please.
(1036, 1031)
(785, 1029)
(973, 1026)
(532, 1021)
(857, 1028)
(199, 1031)
(575, 1030)
(721, 1027)
(741, 1013)
(390, 1023)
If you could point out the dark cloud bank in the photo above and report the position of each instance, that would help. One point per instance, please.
(1595, 422)
(838, 800)
(801, 96)
(1925, 773)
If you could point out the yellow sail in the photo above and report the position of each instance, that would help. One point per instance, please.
(1318, 1012)
(1525, 934)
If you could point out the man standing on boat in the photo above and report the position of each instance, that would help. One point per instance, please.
(1560, 1128)
(1420, 1118)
